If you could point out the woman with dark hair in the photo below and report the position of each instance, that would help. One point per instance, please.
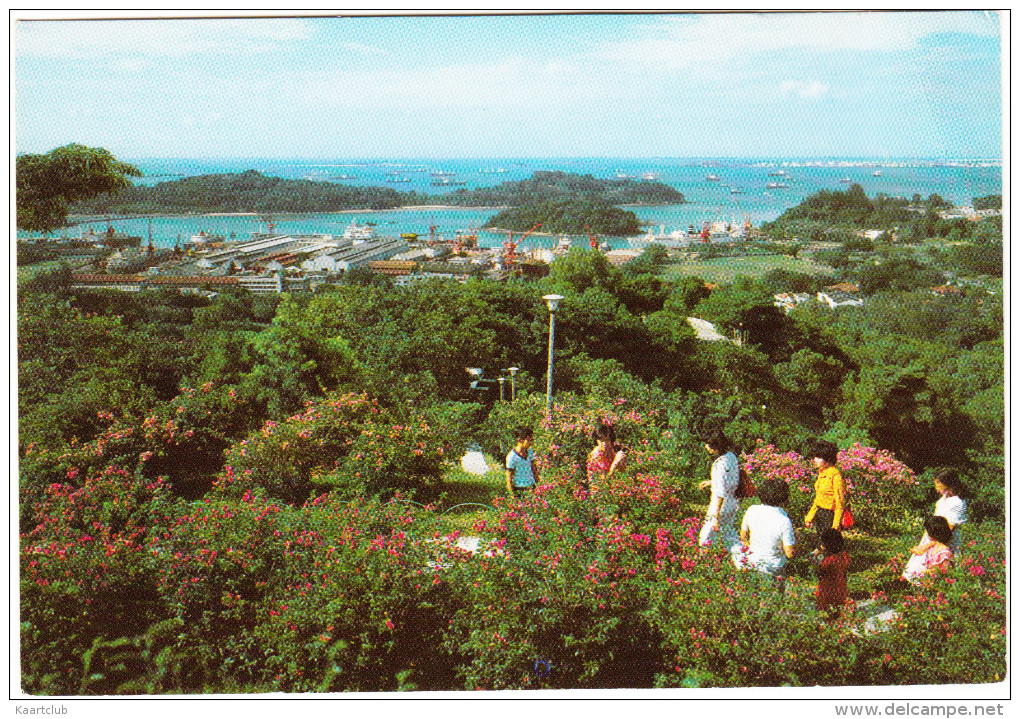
(933, 554)
(830, 489)
(606, 458)
(951, 504)
(721, 516)
(766, 532)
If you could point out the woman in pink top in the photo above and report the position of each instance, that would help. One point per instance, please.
(607, 458)
(932, 554)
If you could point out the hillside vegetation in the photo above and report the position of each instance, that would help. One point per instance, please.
(545, 186)
(246, 493)
(252, 191)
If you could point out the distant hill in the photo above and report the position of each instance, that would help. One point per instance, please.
(555, 185)
(252, 191)
(249, 191)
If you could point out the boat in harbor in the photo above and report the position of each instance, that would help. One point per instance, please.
(358, 233)
(776, 185)
(876, 173)
(394, 178)
(562, 247)
(713, 178)
(446, 181)
(649, 175)
(344, 177)
(846, 180)
(778, 173)
(203, 239)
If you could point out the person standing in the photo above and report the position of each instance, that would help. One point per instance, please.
(830, 490)
(833, 562)
(606, 459)
(521, 472)
(721, 516)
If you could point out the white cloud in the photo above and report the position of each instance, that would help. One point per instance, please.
(528, 84)
(687, 40)
(808, 90)
(156, 38)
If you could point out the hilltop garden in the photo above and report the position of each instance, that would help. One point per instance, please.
(254, 494)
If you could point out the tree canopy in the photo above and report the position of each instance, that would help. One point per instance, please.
(48, 184)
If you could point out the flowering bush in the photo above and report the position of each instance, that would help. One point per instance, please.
(881, 488)
(126, 588)
(348, 443)
(85, 572)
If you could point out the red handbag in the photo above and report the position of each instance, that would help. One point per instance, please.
(847, 521)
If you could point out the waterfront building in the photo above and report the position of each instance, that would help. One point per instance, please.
(359, 254)
(261, 284)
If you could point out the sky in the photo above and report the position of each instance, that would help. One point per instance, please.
(857, 84)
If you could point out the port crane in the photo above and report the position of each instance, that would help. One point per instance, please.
(706, 226)
(510, 247)
(465, 241)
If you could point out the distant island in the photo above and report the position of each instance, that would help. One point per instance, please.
(572, 217)
(252, 191)
(249, 191)
(545, 186)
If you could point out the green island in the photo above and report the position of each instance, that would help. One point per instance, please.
(270, 493)
(569, 217)
(251, 191)
(554, 185)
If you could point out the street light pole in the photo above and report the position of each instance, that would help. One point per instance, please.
(513, 385)
(501, 381)
(553, 301)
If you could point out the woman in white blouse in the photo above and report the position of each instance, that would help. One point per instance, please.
(721, 517)
(951, 504)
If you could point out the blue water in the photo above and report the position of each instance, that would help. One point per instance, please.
(957, 182)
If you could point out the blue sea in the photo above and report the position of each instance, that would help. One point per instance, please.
(740, 192)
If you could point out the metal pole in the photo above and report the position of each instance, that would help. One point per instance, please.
(549, 381)
(501, 380)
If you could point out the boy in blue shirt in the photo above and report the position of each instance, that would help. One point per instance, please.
(521, 472)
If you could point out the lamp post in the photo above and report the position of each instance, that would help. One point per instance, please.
(501, 380)
(553, 301)
(513, 385)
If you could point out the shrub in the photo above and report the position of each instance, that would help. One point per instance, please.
(347, 443)
(882, 490)
(86, 574)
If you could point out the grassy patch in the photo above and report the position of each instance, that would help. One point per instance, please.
(463, 492)
(722, 270)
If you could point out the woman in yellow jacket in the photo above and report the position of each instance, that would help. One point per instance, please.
(830, 489)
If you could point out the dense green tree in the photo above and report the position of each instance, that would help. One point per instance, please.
(580, 270)
(48, 184)
(685, 295)
(895, 273)
(747, 308)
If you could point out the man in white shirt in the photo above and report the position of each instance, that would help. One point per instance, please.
(766, 532)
